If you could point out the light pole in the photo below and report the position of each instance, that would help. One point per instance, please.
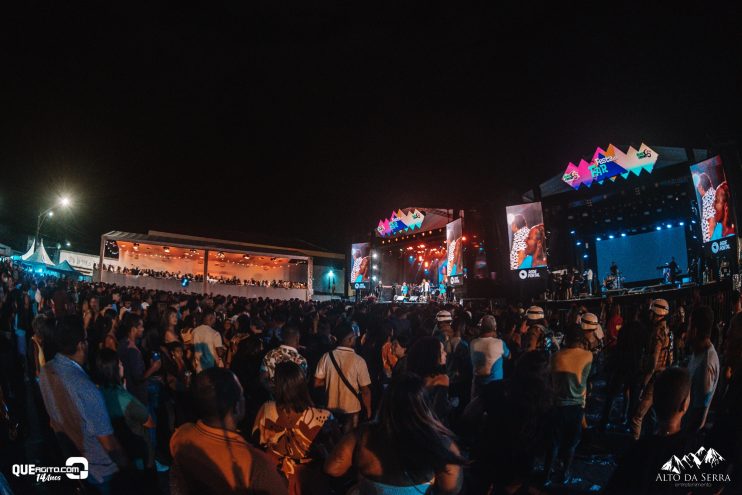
(63, 202)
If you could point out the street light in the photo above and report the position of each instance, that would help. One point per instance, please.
(63, 202)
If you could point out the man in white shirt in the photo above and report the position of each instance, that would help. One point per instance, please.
(340, 398)
(208, 348)
(487, 354)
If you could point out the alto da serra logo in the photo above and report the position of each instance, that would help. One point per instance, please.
(694, 469)
(693, 460)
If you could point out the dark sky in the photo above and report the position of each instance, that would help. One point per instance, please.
(312, 122)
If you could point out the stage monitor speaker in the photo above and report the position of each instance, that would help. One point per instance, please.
(399, 298)
(414, 298)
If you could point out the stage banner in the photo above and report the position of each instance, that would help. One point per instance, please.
(455, 257)
(359, 265)
(526, 235)
(715, 205)
(608, 164)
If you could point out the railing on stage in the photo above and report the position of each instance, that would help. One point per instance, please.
(173, 285)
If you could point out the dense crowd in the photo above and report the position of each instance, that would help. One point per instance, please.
(234, 280)
(233, 395)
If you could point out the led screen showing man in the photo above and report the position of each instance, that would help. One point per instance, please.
(714, 200)
(526, 234)
(359, 262)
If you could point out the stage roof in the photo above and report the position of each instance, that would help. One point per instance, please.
(668, 157)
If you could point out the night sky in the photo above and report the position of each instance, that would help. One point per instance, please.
(312, 122)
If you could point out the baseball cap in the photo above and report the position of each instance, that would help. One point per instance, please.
(535, 313)
(443, 316)
(589, 322)
(660, 307)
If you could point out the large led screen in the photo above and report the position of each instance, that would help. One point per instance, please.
(359, 262)
(714, 200)
(526, 235)
(455, 265)
(641, 257)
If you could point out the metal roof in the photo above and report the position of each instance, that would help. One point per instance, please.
(193, 242)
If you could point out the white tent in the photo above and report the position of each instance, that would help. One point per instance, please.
(28, 254)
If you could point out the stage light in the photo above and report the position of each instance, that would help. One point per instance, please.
(427, 264)
(659, 227)
(412, 258)
(375, 267)
(420, 258)
(598, 239)
(584, 256)
(166, 249)
(669, 225)
(68, 244)
(681, 223)
(623, 235)
(374, 255)
(136, 246)
(373, 278)
(610, 236)
(692, 221)
(463, 238)
(571, 231)
(579, 243)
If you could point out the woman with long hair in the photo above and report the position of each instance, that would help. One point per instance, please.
(294, 432)
(427, 359)
(129, 417)
(168, 326)
(406, 451)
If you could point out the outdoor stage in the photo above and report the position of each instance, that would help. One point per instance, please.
(636, 223)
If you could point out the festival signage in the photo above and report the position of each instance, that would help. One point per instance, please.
(608, 164)
(400, 221)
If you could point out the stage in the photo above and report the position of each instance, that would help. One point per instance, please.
(638, 294)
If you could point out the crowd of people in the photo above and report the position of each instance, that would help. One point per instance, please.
(214, 279)
(233, 395)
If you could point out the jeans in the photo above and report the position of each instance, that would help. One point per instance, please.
(645, 404)
(566, 433)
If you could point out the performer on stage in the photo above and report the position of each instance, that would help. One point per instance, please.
(589, 280)
(426, 287)
(405, 290)
(614, 269)
(674, 270)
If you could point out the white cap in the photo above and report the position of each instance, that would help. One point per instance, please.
(589, 322)
(660, 307)
(535, 313)
(443, 316)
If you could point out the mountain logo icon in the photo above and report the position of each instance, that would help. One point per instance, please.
(693, 461)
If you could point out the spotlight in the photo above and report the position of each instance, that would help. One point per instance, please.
(659, 228)
(579, 243)
(571, 231)
(669, 225)
(584, 256)
(374, 255)
(598, 239)
(681, 223)
(375, 267)
(610, 236)
(166, 249)
(623, 235)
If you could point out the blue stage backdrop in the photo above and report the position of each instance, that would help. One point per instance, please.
(638, 256)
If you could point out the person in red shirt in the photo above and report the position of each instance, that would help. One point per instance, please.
(615, 322)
